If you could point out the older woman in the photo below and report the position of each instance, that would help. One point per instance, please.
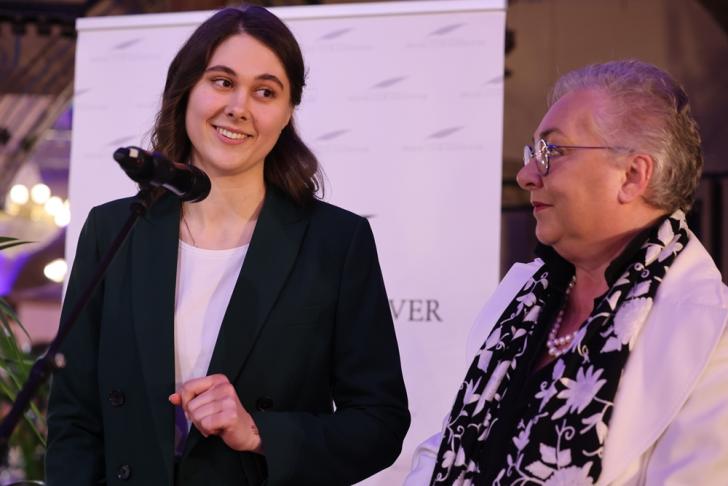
(605, 361)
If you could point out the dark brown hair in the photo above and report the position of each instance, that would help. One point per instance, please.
(290, 166)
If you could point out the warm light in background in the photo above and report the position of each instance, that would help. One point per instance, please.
(18, 194)
(40, 193)
(38, 205)
(63, 216)
(56, 270)
(53, 205)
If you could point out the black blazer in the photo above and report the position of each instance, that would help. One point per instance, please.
(307, 340)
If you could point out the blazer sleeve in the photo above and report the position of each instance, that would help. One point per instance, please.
(365, 433)
(423, 461)
(75, 440)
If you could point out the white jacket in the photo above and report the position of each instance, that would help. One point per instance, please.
(670, 420)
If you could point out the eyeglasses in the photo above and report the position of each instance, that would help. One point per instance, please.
(544, 151)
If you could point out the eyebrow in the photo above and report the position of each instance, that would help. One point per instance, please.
(262, 77)
(549, 131)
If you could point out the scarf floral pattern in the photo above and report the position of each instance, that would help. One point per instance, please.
(562, 442)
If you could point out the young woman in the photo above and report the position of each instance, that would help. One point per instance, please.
(245, 339)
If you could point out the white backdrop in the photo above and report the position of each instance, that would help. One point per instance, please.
(404, 110)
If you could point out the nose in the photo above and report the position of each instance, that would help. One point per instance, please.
(237, 106)
(529, 178)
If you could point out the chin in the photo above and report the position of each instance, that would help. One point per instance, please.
(545, 236)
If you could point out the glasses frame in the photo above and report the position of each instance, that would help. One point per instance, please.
(543, 153)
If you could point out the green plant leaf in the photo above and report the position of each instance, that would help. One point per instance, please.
(7, 311)
(15, 366)
(4, 239)
(8, 345)
(8, 242)
(33, 416)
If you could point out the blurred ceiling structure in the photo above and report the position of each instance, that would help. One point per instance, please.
(545, 39)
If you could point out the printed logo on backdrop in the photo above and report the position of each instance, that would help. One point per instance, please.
(79, 93)
(489, 88)
(389, 88)
(122, 141)
(449, 36)
(89, 101)
(131, 50)
(335, 40)
(446, 139)
(341, 140)
(415, 310)
(103, 153)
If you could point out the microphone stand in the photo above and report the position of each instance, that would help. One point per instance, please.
(52, 359)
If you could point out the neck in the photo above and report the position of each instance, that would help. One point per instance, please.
(226, 218)
(592, 262)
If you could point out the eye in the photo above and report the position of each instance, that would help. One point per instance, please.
(222, 82)
(265, 93)
(554, 149)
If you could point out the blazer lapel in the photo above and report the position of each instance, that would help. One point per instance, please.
(270, 258)
(154, 246)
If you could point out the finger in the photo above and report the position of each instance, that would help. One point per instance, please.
(190, 389)
(175, 399)
(223, 405)
(219, 392)
(220, 422)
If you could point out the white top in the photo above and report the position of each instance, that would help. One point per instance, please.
(205, 282)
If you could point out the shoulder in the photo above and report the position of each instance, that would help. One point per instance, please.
(118, 210)
(694, 279)
(105, 221)
(278, 206)
(115, 209)
(339, 235)
(324, 212)
(107, 217)
(115, 206)
(336, 222)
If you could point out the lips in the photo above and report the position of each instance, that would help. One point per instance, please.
(230, 134)
(539, 206)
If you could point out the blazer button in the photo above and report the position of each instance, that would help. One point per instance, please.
(116, 398)
(124, 472)
(264, 403)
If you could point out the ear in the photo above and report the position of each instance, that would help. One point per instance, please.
(291, 110)
(637, 176)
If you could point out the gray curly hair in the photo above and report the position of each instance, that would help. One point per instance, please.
(649, 112)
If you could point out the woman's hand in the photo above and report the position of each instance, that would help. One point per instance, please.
(213, 406)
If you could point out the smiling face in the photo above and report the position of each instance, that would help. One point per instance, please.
(237, 109)
(577, 204)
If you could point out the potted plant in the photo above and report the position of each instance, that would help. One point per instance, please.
(27, 444)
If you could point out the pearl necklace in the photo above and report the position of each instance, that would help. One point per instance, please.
(555, 344)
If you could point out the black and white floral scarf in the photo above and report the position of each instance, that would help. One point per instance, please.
(562, 442)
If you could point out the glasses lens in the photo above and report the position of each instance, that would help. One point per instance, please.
(542, 156)
(527, 154)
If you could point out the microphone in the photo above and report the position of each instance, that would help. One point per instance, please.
(183, 180)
